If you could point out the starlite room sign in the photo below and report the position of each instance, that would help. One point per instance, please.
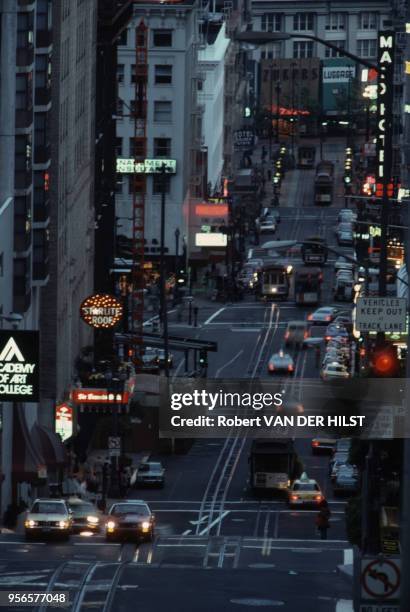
(19, 366)
(101, 310)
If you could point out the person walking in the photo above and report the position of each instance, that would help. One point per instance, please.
(323, 519)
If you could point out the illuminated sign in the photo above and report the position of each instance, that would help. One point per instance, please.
(385, 105)
(98, 396)
(148, 166)
(211, 240)
(64, 421)
(19, 366)
(211, 210)
(101, 310)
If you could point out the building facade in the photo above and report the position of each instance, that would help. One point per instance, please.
(173, 121)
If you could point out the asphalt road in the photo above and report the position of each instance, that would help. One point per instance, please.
(217, 547)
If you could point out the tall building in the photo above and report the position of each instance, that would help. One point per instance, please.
(71, 223)
(173, 122)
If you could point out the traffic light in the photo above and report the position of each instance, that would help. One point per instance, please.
(181, 277)
(348, 179)
(385, 362)
(203, 358)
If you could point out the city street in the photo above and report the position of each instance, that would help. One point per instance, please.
(235, 551)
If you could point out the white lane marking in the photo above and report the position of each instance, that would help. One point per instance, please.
(199, 521)
(228, 363)
(96, 544)
(247, 330)
(215, 522)
(348, 556)
(214, 315)
(155, 318)
(21, 543)
(344, 605)
(187, 532)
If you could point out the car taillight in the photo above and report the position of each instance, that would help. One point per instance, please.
(286, 335)
(310, 317)
(306, 334)
(318, 498)
(290, 368)
(328, 318)
(315, 443)
(327, 338)
(271, 367)
(294, 497)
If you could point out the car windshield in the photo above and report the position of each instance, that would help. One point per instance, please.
(305, 486)
(150, 467)
(82, 508)
(122, 509)
(48, 508)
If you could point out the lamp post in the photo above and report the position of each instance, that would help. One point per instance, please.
(278, 90)
(163, 300)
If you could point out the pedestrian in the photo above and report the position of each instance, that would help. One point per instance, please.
(322, 519)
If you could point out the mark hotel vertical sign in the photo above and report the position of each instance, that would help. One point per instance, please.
(385, 62)
(19, 366)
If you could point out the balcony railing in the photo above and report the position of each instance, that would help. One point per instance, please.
(42, 96)
(42, 154)
(24, 118)
(44, 38)
(25, 56)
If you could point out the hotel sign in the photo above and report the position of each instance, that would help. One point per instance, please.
(101, 310)
(19, 366)
(148, 166)
(385, 86)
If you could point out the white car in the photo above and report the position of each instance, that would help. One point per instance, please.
(322, 315)
(334, 370)
(346, 214)
(267, 226)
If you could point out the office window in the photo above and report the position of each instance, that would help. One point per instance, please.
(43, 15)
(25, 30)
(271, 22)
(158, 183)
(162, 111)
(303, 22)
(335, 22)
(120, 108)
(368, 21)
(132, 76)
(162, 38)
(302, 49)
(137, 147)
(120, 73)
(272, 51)
(367, 48)
(163, 74)
(162, 147)
(332, 52)
(23, 95)
(118, 146)
(43, 71)
(23, 153)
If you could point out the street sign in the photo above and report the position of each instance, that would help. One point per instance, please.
(114, 446)
(148, 166)
(98, 396)
(64, 421)
(101, 310)
(382, 427)
(19, 366)
(381, 314)
(380, 579)
(378, 608)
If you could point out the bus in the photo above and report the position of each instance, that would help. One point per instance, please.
(314, 253)
(308, 285)
(273, 464)
(275, 281)
(373, 281)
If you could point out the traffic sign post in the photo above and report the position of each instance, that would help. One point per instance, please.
(114, 446)
(380, 580)
(381, 314)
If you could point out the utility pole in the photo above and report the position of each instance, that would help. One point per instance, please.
(163, 298)
(405, 505)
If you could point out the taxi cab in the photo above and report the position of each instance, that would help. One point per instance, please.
(304, 492)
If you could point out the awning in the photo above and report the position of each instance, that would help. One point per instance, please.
(53, 450)
(28, 459)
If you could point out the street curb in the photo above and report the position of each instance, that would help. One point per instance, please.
(346, 572)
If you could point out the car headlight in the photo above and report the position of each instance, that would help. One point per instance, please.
(146, 525)
(30, 523)
(63, 524)
(93, 519)
(110, 525)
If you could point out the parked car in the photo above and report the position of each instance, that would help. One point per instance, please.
(296, 332)
(346, 481)
(335, 330)
(322, 444)
(345, 237)
(334, 370)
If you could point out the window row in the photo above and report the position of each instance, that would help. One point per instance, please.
(302, 22)
(366, 48)
(158, 184)
(162, 110)
(162, 74)
(161, 148)
(160, 38)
